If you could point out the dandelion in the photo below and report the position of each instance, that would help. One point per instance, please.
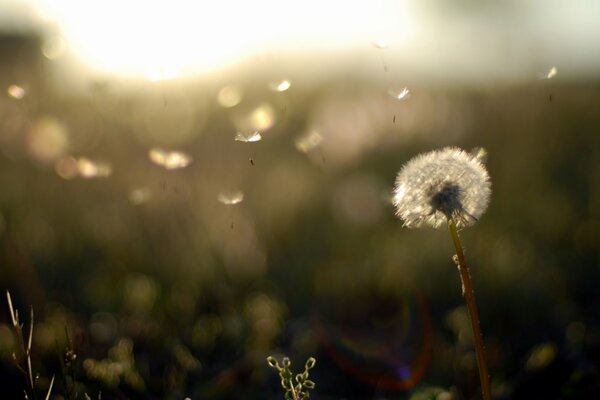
(448, 187)
(441, 185)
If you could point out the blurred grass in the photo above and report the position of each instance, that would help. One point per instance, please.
(203, 292)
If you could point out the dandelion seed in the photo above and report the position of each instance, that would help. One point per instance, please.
(248, 137)
(552, 73)
(280, 86)
(232, 198)
(399, 94)
(440, 185)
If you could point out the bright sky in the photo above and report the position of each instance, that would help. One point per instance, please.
(171, 37)
(439, 40)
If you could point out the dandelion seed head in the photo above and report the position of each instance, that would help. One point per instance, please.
(442, 184)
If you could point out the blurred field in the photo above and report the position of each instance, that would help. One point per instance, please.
(173, 284)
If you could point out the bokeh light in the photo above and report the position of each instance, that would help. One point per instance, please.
(16, 91)
(259, 118)
(47, 139)
(230, 96)
(93, 169)
(169, 159)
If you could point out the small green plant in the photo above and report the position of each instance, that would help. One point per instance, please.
(296, 388)
(22, 357)
(67, 366)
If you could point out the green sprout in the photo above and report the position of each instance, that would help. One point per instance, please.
(296, 387)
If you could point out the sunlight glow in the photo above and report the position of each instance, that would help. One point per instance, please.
(162, 40)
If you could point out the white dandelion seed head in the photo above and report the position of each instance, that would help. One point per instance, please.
(442, 184)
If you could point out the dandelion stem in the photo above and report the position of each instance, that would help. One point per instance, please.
(469, 296)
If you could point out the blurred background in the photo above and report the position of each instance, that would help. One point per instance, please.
(185, 190)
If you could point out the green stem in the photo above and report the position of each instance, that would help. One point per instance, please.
(294, 395)
(469, 296)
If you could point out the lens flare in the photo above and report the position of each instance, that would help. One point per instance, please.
(377, 342)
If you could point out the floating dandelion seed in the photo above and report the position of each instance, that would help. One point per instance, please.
(248, 137)
(280, 86)
(441, 185)
(552, 73)
(399, 94)
(169, 159)
(231, 198)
